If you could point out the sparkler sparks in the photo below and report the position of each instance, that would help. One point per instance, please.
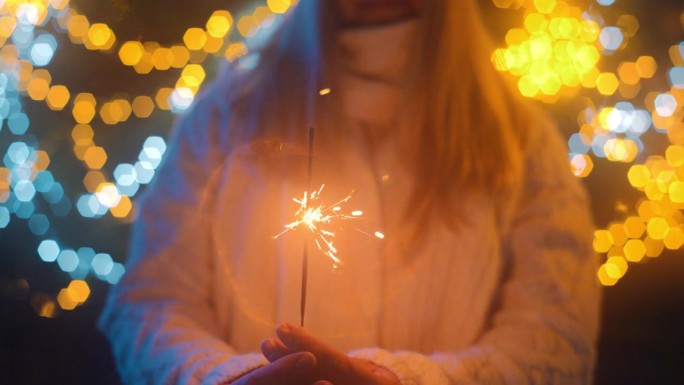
(318, 218)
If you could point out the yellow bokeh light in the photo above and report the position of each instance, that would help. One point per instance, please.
(194, 39)
(607, 83)
(673, 239)
(646, 66)
(181, 56)
(9, 55)
(618, 234)
(162, 98)
(676, 192)
(676, 55)
(527, 87)
(503, 3)
(95, 157)
(634, 250)
(638, 176)
(657, 164)
(635, 227)
(655, 189)
(587, 58)
(100, 36)
(262, 16)
(80, 150)
(565, 28)
(59, 4)
(7, 25)
(115, 111)
(193, 75)
(213, 44)
(162, 58)
(620, 150)
(588, 79)
(603, 241)
(123, 208)
(604, 278)
(145, 64)
(279, 6)
(629, 25)
(589, 31)
(657, 227)
(82, 134)
(616, 267)
(84, 108)
(25, 74)
(57, 97)
(65, 300)
(125, 107)
(131, 52)
(654, 247)
(674, 154)
(627, 71)
(247, 26)
(93, 179)
(219, 24)
(38, 88)
(42, 161)
(143, 106)
(534, 22)
(78, 290)
(78, 28)
(545, 6)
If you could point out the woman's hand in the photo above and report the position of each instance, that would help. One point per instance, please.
(332, 365)
(294, 369)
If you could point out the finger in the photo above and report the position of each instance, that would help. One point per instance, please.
(273, 349)
(294, 369)
(297, 339)
(330, 361)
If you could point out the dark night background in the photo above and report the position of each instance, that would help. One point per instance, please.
(642, 338)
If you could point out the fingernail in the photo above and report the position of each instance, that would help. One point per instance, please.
(306, 362)
(286, 327)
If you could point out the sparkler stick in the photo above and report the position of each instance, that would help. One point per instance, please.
(315, 218)
(305, 253)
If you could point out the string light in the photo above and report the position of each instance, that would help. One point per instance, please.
(557, 54)
(26, 51)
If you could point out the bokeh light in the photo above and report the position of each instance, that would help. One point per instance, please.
(557, 52)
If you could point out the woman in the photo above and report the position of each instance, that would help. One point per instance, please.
(485, 276)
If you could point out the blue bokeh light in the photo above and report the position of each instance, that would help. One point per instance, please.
(43, 49)
(4, 217)
(48, 250)
(39, 224)
(102, 264)
(67, 260)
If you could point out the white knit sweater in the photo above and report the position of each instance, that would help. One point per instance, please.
(486, 303)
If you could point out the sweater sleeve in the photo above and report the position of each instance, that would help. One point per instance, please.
(545, 325)
(160, 318)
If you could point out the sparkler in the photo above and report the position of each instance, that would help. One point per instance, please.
(316, 218)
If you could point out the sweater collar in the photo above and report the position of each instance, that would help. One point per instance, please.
(374, 67)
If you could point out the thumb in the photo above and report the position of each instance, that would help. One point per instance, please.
(297, 339)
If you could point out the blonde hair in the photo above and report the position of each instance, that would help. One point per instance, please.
(474, 125)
